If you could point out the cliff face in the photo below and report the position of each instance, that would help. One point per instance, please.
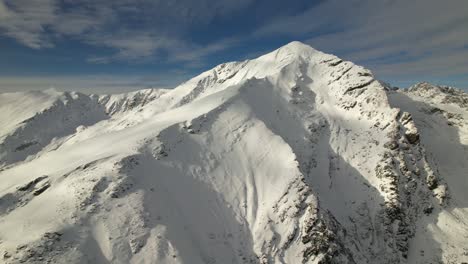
(294, 157)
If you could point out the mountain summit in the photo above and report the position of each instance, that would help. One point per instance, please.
(294, 157)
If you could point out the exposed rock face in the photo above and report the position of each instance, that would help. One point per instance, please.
(294, 157)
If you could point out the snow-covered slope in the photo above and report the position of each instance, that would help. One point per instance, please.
(294, 157)
(441, 116)
(33, 121)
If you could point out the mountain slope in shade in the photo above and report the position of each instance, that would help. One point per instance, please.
(294, 157)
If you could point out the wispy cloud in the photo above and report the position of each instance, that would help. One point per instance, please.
(190, 52)
(134, 30)
(130, 45)
(26, 21)
(395, 38)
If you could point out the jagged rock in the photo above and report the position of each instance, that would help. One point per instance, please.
(405, 118)
(428, 210)
(432, 182)
(136, 245)
(392, 145)
(32, 183)
(41, 188)
(53, 235)
(412, 137)
(441, 193)
(411, 133)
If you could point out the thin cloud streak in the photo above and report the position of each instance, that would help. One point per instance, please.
(142, 30)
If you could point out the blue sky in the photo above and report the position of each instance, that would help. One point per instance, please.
(119, 45)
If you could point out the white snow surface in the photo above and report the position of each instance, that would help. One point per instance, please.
(294, 157)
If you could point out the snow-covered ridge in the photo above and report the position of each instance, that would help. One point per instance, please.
(128, 101)
(443, 94)
(294, 157)
(60, 117)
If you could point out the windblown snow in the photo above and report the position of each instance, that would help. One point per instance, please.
(294, 157)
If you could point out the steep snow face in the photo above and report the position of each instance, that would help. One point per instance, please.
(441, 116)
(296, 156)
(34, 120)
(17, 107)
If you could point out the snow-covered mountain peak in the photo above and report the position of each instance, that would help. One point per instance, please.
(291, 51)
(286, 67)
(294, 157)
(298, 47)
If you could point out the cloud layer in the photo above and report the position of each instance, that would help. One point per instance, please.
(401, 41)
(132, 29)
